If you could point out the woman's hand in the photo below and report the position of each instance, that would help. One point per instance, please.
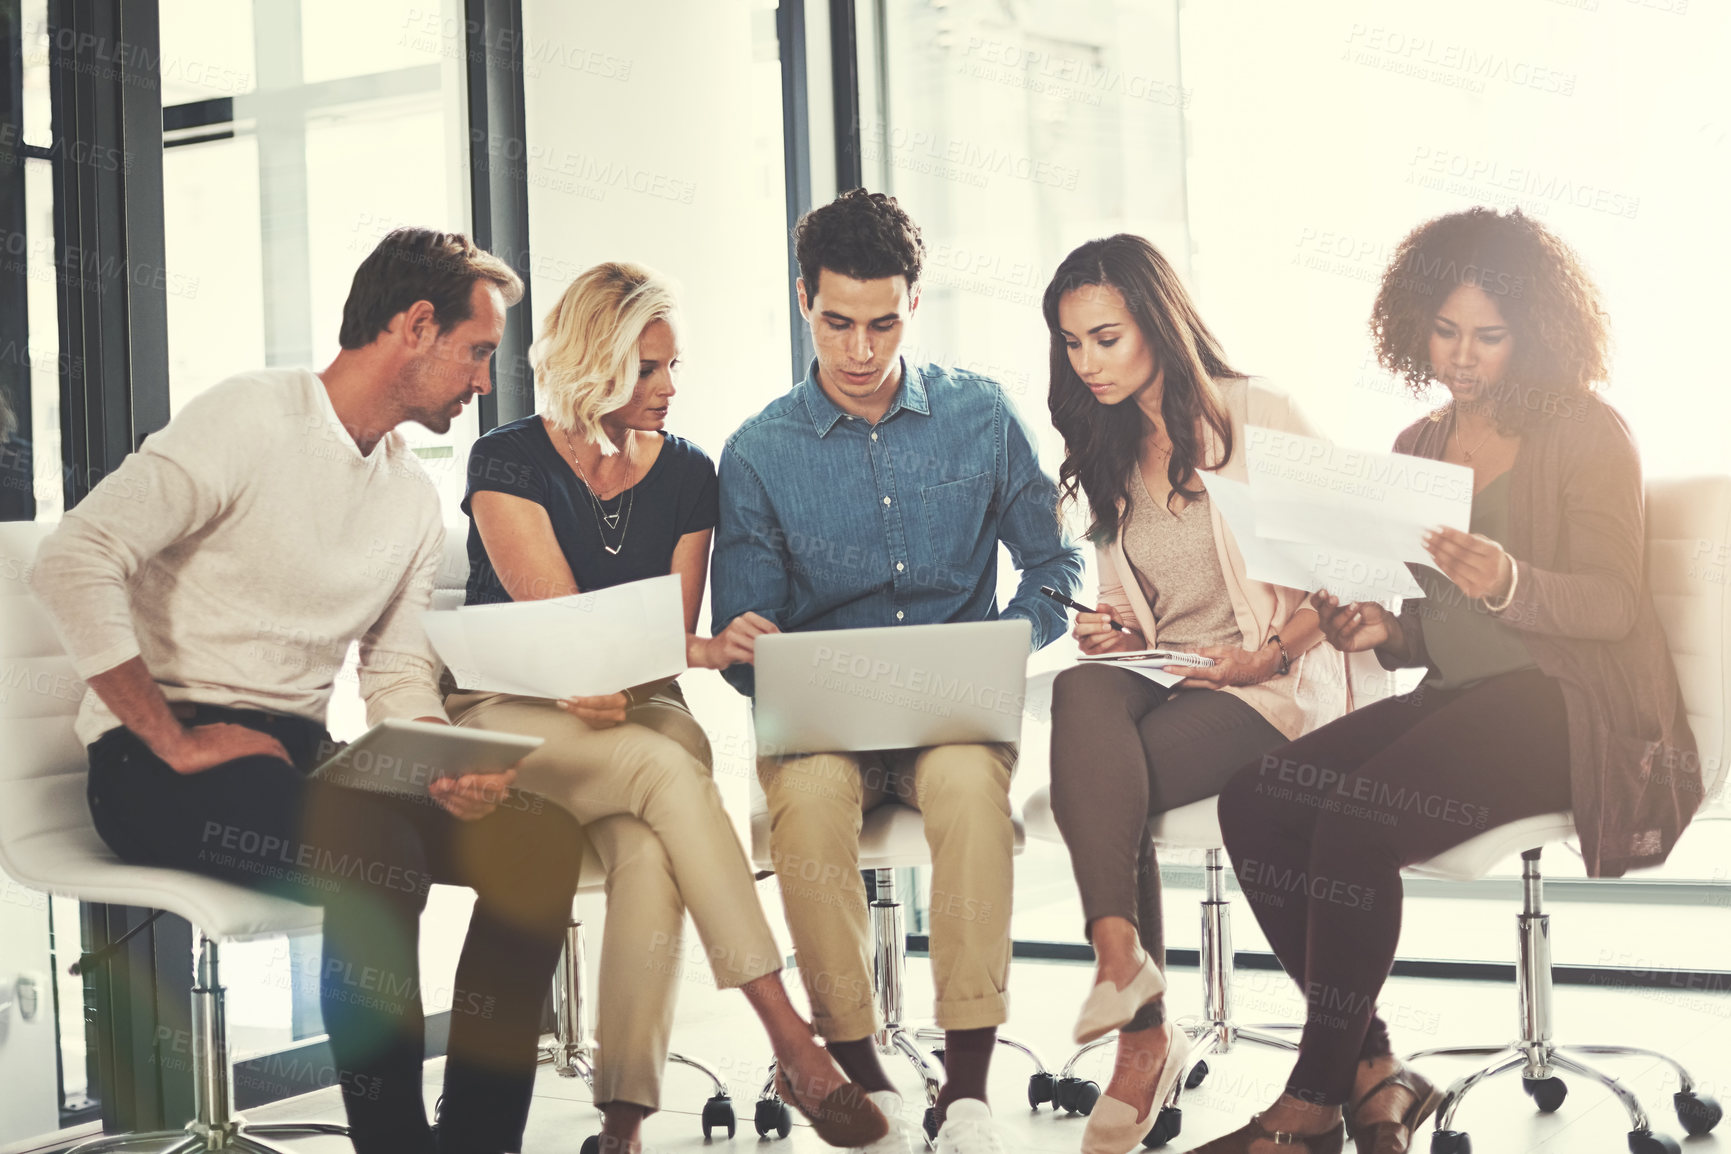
(735, 645)
(1094, 635)
(1232, 666)
(603, 712)
(1357, 625)
(1477, 565)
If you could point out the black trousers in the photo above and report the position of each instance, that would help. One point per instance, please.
(1320, 829)
(369, 859)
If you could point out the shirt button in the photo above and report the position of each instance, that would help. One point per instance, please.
(886, 500)
(900, 615)
(874, 436)
(900, 566)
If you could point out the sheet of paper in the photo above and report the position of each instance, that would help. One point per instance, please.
(1298, 565)
(579, 646)
(1352, 500)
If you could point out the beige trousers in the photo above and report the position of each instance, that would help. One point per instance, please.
(647, 799)
(817, 804)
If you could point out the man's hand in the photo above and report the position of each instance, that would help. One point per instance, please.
(1094, 635)
(1358, 625)
(603, 712)
(735, 645)
(207, 746)
(1477, 565)
(1232, 666)
(472, 796)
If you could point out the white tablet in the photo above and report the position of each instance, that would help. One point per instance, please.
(405, 757)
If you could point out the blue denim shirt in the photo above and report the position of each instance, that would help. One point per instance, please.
(831, 522)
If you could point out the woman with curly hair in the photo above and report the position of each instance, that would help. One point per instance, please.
(1148, 405)
(1548, 683)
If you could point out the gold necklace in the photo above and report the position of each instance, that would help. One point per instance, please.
(1459, 440)
(627, 495)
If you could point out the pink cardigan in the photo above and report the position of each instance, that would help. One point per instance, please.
(1323, 683)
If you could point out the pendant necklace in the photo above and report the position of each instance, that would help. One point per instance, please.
(611, 520)
(1461, 441)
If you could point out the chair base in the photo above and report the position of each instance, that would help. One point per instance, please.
(215, 1126)
(571, 1050)
(238, 1136)
(1540, 1059)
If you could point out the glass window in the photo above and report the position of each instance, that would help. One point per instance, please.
(343, 128)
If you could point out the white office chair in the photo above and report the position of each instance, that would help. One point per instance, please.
(892, 837)
(48, 842)
(1190, 827)
(571, 1049)
(1688, 525)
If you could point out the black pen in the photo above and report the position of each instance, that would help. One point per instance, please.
(1081, 608)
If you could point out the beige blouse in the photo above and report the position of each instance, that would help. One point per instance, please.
(1178, 567)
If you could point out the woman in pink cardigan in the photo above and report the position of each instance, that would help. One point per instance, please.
(1145, 401)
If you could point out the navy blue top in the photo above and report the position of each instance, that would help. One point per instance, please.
(676, 496)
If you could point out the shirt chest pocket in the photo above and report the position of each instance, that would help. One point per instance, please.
(955, 514)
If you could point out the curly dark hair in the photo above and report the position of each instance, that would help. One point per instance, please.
(1550, 303)
(864, 235)
(1102, 447)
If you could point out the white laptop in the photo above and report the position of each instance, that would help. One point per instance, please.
(843, 690)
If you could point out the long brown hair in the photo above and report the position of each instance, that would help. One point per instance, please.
(1102, 449)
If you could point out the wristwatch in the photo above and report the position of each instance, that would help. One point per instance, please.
(1285, 657)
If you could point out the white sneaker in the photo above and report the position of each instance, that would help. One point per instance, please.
(900, 1138)
(968, 1129)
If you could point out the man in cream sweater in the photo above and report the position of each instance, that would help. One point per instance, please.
(209, 590)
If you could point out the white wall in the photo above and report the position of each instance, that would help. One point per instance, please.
(655, 135)
(1322, 132)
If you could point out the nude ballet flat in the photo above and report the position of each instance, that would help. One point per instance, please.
(1114, 1127)
(1108, 1007)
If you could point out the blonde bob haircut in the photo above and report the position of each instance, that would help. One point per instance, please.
(586, 360)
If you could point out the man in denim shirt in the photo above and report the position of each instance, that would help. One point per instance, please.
(875, 493)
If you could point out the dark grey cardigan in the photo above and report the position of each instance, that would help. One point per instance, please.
(1582, 605)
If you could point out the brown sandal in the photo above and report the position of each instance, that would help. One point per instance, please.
(1238, 1142)
(845, 1118)
(1386, 1137)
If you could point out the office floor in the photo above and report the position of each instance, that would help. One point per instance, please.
(1691, 1026)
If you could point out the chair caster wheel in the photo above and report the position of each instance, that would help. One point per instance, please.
(1697, 1112)
(1547, 1093)
(930, 1123)
(1450, 1142)
(1087, 1094)
(717, 1114)
(1064, 1094)
(1647, 1142)
(591, 1145)
(1042, 1087)
(773, 1114)
(1166, 1128)
(1197, 1073)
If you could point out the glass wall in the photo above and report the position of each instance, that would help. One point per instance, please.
(1011, 134)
